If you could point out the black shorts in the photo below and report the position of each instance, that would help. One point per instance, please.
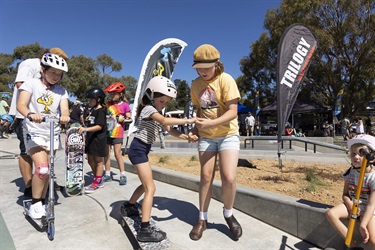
(97, 146)
(19, 133)
(138, 151)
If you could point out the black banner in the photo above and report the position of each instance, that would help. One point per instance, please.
(296, 48)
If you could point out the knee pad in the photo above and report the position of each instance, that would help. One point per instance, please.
(42, 170)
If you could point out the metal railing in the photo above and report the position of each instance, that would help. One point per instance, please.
(306, 141)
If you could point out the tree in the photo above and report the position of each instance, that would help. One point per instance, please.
(106, 62)
(345, 57)
(84, 72)
(183, 93)
(82, 75)
(34, 50)
(7, 72)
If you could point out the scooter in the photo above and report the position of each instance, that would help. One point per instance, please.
(47, 221)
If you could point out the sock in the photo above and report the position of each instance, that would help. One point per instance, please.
(108, 173)
(37, 200)
(202, 215)
(123, 173)
(227, 212)
(98, 179)
(145, 224)
(129, 204)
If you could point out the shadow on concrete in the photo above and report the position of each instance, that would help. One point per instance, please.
(313, 204)
(186, 212)
(116, 214)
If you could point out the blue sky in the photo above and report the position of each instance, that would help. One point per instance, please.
(127, 29)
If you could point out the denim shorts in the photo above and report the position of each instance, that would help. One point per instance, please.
(231, 142)
(113, 141)
(138, 151)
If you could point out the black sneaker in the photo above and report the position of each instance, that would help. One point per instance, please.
(151, 234)
(130, 210)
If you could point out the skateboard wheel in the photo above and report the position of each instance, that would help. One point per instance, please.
(123, 223)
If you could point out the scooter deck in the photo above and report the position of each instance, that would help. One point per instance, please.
(134, 224)
(40, 224)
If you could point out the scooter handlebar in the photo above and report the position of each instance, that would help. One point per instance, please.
(47, 119)
(369, 156)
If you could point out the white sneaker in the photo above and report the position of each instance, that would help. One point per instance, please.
(36, 211)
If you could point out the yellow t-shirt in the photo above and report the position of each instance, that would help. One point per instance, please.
(211, 97)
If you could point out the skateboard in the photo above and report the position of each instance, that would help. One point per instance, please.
(134, 224)
(74, 150)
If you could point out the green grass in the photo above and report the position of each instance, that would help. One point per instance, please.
(194, 158)
(313, 179)
(164, 159)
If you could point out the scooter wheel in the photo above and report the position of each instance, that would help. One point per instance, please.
(51, 230)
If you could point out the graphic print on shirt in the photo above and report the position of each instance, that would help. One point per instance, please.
(209, 103)
(91, 120)
(118, 130)
(47, 101)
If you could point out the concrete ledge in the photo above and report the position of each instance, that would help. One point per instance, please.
(6, 241)
(301, 218)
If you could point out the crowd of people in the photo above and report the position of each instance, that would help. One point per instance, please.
(214, 93)
(37, 94)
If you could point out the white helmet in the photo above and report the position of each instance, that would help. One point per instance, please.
(161, 85)
(367, 140)
(54, 61)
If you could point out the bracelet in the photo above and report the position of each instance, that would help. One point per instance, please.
(30, 113)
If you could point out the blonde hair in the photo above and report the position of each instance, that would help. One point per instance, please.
(219, 68)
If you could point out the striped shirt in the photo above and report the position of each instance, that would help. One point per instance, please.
(351, 176)
(147, 128)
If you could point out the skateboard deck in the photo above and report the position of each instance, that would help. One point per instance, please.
(134, 224)
(74, 150)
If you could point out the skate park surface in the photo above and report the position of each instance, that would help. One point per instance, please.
(269, 221)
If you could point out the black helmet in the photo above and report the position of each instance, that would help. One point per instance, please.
(96, 93)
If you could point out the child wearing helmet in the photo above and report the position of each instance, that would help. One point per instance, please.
(27, 69)
(366, 211)
(118, 109)
(96, 136)
(5, 121)
(4, 106)
(39, 98)
(159, 92)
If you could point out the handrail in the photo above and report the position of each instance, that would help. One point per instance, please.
(293, 138)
